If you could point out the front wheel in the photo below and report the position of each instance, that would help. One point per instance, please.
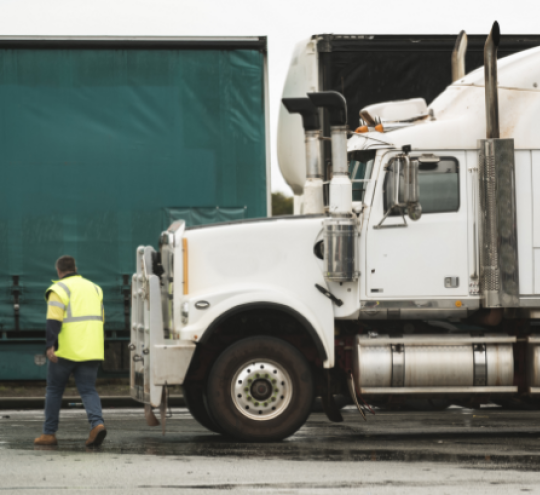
(195, 402)
(260, 389)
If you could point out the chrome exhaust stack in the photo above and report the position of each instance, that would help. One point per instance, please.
(458, 57)
(340, 229)
(340, 185)
(490, 75)
(313, 187)
(499, 275)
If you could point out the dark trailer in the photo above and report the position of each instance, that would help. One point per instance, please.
(103, 143)
(370, 69)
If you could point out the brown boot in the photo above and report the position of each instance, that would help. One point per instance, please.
(96, 437)
(46, 440)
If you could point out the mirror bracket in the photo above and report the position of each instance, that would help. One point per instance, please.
(381, 226)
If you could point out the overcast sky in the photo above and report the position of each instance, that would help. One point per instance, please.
(285, 22)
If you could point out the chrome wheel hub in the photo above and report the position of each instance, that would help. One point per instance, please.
(261, 390)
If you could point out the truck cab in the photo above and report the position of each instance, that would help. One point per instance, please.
(418, 279)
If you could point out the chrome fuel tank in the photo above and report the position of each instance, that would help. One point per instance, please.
(433, 361)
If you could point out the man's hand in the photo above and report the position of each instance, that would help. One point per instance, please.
(51, 355)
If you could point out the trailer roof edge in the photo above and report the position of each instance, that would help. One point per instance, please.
(150, 42)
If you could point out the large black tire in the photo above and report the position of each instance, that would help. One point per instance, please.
(260, 389)
(196, 404)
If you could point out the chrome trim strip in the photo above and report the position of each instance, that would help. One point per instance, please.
(421, 304)
(430, 340)
(439, 390)
(529, 302)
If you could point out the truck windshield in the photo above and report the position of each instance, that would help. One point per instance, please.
(360, 167)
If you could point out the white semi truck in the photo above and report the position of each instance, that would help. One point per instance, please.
(419, 280)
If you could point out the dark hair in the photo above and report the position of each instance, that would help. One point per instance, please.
(66, 264)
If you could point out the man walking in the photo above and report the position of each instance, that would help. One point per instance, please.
(74, 345)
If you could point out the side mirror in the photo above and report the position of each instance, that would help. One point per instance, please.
(402, 189)
(411, 190)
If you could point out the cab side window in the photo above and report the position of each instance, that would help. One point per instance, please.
(439, 186)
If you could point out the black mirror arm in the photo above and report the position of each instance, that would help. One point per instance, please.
(307, 110)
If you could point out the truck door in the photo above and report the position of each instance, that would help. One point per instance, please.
(427, 258)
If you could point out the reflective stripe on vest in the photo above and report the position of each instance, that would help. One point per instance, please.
(57, 304)
(69, 318)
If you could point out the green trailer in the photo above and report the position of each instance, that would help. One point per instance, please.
(103, 143)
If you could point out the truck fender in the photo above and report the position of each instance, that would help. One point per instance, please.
(300, 318)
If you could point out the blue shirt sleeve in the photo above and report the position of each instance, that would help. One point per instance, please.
(53, 329)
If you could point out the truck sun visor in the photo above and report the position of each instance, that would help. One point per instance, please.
(334, 102)
(308, 111)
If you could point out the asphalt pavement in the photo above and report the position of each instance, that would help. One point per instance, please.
(470, 451)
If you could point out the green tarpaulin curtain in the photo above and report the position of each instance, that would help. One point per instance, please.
(100, 149)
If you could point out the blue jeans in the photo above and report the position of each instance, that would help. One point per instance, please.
(85, 373)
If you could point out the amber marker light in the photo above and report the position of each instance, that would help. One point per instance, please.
(379, 128)
(361, 129)
(186, 272)
(459, 304)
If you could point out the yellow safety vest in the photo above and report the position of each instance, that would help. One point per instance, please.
(81, 337)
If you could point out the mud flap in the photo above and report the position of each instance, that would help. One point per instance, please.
(163, 408)
(149, 415)
(327, 398)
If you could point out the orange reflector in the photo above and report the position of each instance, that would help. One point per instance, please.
(459, 304)
(379, 128)
(361, 129)
(186, 271)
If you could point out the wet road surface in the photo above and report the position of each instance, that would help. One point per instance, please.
(395, 451)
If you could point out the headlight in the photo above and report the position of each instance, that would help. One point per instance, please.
(185, 313)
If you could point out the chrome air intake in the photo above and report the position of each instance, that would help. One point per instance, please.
(499, 282)
(340, 248)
